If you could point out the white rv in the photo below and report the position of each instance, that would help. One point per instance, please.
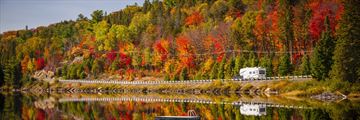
(252, 109)
(252, 73)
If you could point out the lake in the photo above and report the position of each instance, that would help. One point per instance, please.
(152, 106)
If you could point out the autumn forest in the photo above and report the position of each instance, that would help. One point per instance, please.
(193, 39)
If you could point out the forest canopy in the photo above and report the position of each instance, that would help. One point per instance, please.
(193, 39)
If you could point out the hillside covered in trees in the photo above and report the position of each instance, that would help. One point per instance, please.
(192, 39)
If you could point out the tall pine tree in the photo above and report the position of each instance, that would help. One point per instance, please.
(184, 74)
(285, 67)
(221, 69)
(239, 61)
(266, 62)
(347, 51)
(321, 60)
(305, 65)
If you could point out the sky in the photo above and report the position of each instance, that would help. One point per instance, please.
(16, 14)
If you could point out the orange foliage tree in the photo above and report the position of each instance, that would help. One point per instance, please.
(161, 49)
(24, 63)
(194, 19)
(267, 28)
(185, 52)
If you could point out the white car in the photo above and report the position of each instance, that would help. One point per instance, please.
(252, 73)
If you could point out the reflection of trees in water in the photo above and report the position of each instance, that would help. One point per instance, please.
(21, 107)
(11, 107)
(140, 110)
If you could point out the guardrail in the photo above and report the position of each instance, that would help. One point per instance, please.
(187, 100)
(302, 77)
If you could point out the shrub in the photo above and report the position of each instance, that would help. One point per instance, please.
(337, 85)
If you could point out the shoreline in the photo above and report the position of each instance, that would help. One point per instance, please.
(217, 87)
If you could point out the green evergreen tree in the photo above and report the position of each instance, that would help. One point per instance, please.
(253, 60)
(347, 51)
(321, 59)
(97, 16)
(213, 73)
(266, 62)
(114, 65)
(239, 61)
(218, 10)
(80, 71)
(73, 72)
(319, 114)
(95, 68)
(167, 77)
(285, 66)
(284, 113)
(18, 75)
(198, 76)
(175, 78)
(184, 74)
(82, 75)
(64, 71)
(221, 69)
(8, 74)
(286, 23)
(229, 68)
(12, 73)
(1, 75)
(305, 65)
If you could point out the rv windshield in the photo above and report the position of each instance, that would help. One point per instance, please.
(262, 72)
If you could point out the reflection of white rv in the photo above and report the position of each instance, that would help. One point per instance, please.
(252, 73)
(252, 109)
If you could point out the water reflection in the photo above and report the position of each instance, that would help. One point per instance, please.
(191, 115)
(17, 106)
(253, 109)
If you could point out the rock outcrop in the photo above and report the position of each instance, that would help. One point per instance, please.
(329, 97)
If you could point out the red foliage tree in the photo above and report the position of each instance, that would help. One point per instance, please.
(161, 47)
(217, 47)
(273, 20)
(266, 28)
(321, 9)
(111, 56)
(125, 60)
(40, 63)
(194, 19)
(260, 30)
(185, 51)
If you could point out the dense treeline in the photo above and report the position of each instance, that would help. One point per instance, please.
(195, 39)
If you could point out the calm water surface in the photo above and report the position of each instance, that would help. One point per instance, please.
(149, 106)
